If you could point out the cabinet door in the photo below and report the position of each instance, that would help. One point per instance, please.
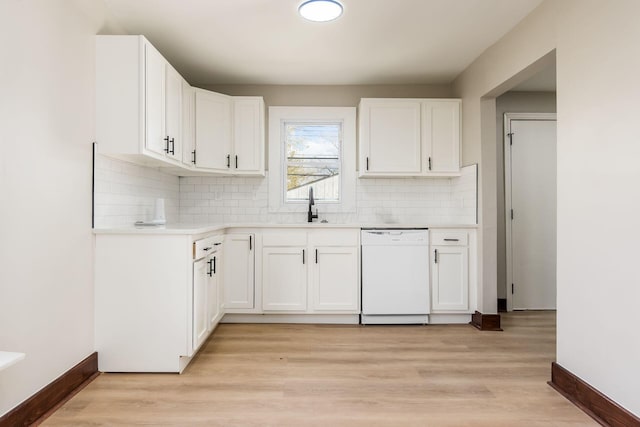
(213, 282)
(173, 111)
(213, 131)
(284, 278)
(441, 135)
(188, 124)
(450, 278)
(248, 135)
(335, 278)
(390, 137)
(239, 264)
(154, 101)
(200, 323)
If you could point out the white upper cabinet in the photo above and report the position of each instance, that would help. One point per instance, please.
(248, 135)
(148, 114)
(173, 111)
(138, 102)
(229, 135)
(441, 136)
(213, 131)
(390, 137)
(188, 125)
(409, 137)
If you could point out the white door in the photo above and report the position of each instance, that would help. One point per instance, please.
(531, 212)
(247, 134)
(284, 278)
(335, 278)
(213, 130)
(390, 131)
(156, 139)
(441, 135)
(239, 264)
(449, 278)
(173, 111)
(200, 324)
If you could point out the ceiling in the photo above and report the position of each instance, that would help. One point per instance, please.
(267, 42)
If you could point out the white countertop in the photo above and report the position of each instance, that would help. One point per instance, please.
(209, 228)
(8, 358)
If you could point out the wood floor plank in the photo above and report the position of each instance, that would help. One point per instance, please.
(345, 375)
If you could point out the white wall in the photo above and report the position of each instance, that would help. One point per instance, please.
(595, 45)
(512, 102)
(46, 245)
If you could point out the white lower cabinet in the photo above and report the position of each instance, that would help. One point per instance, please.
(214, 291)
(311, 272)
(156, 299)
(200, 303)
(334, 273)
(239, 264)
(450, 273)
(284, 278)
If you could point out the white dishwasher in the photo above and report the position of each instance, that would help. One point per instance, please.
(395, 276)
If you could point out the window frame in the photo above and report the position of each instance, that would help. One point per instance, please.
(277, 172)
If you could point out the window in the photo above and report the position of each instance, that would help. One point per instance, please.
(312, 147)
(312, 153)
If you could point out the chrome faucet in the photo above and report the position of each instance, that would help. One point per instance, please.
(310, 215)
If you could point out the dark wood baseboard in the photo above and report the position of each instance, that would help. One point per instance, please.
(52, 396)
(502, 305)
(486, 322)
(591, 401)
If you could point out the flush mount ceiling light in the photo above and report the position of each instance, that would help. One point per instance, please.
(320, 10)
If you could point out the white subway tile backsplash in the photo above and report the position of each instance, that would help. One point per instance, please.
(379, 200)
(126, 193)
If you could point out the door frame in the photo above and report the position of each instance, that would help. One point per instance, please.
(508, 118)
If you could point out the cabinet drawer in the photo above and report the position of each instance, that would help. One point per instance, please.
(346, 237)
(284, 238)
(449, 238)
(205, 246)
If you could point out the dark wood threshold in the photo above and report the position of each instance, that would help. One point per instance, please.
(595, 404)
(502, 305)
(38, 407)
(485, 322)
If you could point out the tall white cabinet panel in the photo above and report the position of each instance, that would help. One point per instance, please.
(284, 278)
(200, 285)
(213, 130)
(239, 267)
(188, 125)
(173, 111)
(213, 291)
(390, 141)
(335, 278)
(441, 136)
(248, 135)
(154, 100)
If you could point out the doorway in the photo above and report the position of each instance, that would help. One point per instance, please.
(530, 210)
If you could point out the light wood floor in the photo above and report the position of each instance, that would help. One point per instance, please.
(318, 375)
